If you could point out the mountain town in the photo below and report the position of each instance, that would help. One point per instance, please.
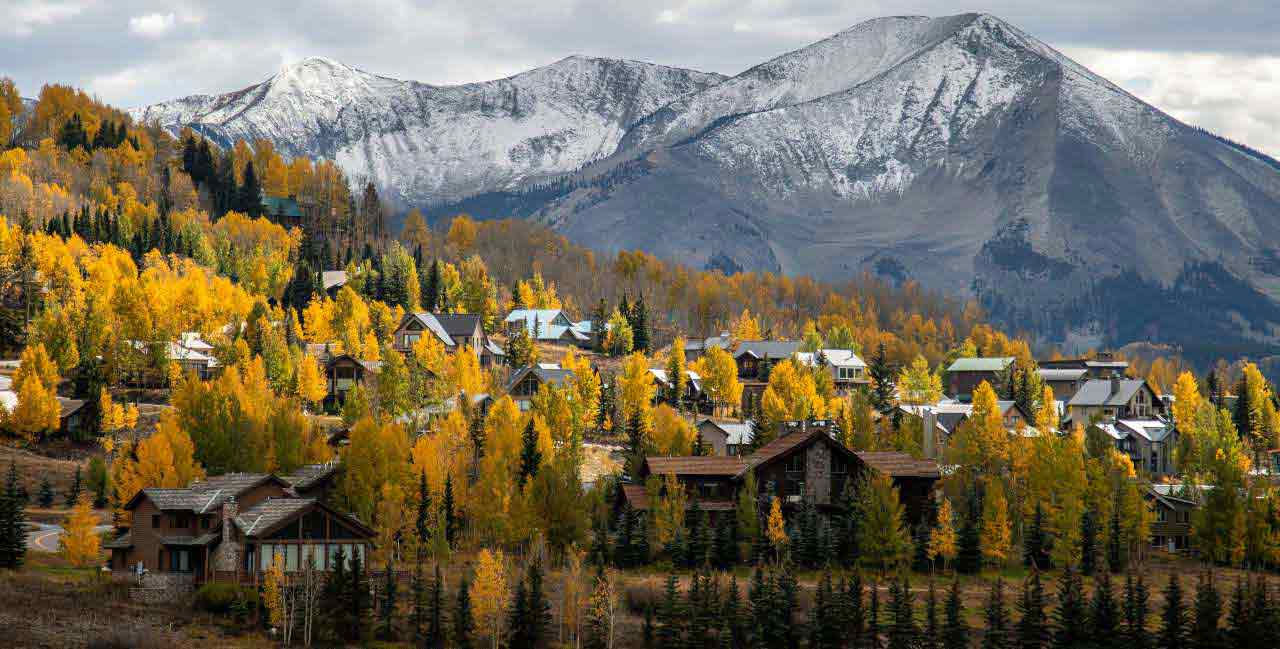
(249, 400)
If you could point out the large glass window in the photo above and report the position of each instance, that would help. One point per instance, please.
(333, 549)
(265, 556)
(291, 557)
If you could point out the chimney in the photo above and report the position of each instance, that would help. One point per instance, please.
(229, 511)
(1115, 383)
(930, 432)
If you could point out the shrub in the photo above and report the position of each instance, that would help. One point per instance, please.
(221, 598)
(124, 640)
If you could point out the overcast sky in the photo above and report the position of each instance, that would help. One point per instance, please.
(1214, 63)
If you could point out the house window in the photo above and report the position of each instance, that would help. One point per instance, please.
(411, 339)
(179, 561)
(709, 490)
(795, 487)
(291, 557)
(1162, 515)
(838, 466)
(1155, 460)
(204, 522)
(155, 521)
(849, 373)
(795, 463)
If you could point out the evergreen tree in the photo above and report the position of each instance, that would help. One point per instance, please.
(298, 292)
(932, 637)
(13, 533)
(417, 605)
(387, 611)
(1089, 541)
(519, 631)
(1104, 618)
(883, 388)
(539, 608)
(435, 638)
(1115, 540)
(1173, 629)
(969, 554)
(732, 613)
(45, 497)
(449, 512)
(1206, 632)
(1033, 625)
(530, 456)
(997, 618)
(955, 632)
(1035, 553)
(1242, 416)
(333, 597)
(824, 625)
(463, 622)
(670, 616)
(639, 322)
(726, 543)
(1070, 616)
(903, 632)
(357, 598)
(635, 445)
(873, 618)
(431, 287)
(250, 200)
(422, 522)
(1240, 627)
(1135, 613)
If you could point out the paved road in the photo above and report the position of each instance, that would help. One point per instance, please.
(43, 537)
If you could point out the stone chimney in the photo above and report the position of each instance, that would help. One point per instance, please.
(1115, 383)
(227, 556)
(930, 432)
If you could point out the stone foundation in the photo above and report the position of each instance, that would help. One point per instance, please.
(162, 587)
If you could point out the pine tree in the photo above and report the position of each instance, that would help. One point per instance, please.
(387, 611)
(422, 522)
(448, 511)
(13, 533)
(732, 613)
(635, 445)
(1070, 615)
(463, 623)
(1136, 611)
(1089, 541)
(1173, 630)
(250, 192)
(519, 632)
(932, 637)
(873, 618)
(45, 497)
(969, 555)
(530, 456)
(639, 321)
(333, 597)
(1242, 416)
(1206, 632)
(1104, 619)
(435, 638)
(955, 632)
(670, 616)
(417, 605)
(1035, 552)
(1033, 625)
(539, 609)
(431, 287)
(357, 598)
(997, 618)
(1115, 540)
(1240, 625)
(883, 389)
(903, 633)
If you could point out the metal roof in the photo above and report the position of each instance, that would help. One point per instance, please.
(1106, 392)
(986, 364)
(768, 348)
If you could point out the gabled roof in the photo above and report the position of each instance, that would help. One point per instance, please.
(307, 476)
(702, 465)
(459, 324)
(636, 496)
(69, 407)
(555, 376)
(122, 542)
(786, 443)
(1152, 430)
(988, 364)
(368, 365)
(736, 434)
(274, 205)
(768, 348)
(271, 514)
(332, 279)
(205, 495)
(896, 464)
(1065, 374)
(1106, 392)
(430, 323)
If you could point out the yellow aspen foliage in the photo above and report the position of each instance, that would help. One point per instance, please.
(745, 327)
(982, 444)
(671, 434)
(791, 394)
(918, 385)
(464, 374)
(719, 375)
(536, 294)
(273, 592)
(943, 541)
(996, 536)
(635, 388)
(311, 385)
(462, 233)
(668, 502)
(496, 488)
(164, 460)
(585, 391)
(489, 594)
(676, 368)
(378, 454)
(37, 410)
(776, 527)
(391, 523)
(446, 451)
(1047, 415)
(79, 543)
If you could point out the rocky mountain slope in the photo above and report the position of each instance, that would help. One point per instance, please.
(957, 151)
(422, 143)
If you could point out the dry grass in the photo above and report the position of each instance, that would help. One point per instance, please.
(57, 462)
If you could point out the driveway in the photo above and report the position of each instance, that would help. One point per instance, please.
(43, 537)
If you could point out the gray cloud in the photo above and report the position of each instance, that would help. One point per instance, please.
(1210, 63)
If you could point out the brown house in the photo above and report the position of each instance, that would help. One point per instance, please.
(1103, 365)
(345, 372)
(230, 526)
(966, 374)
(453, 330)
(805, 465)
(525, 382)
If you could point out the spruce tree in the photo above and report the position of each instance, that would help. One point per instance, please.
(448, 511)
(932, 636)
(1115, 540)
(431, 287)
(671, 616)
(1206, 632)
(13, 533)
(955, 632)
(823, 627)
(539, 608)
(1173, 628)
(357, 598)
(903, 633)
(969, 552)
(873, 618)
(640, 325)
(530, 456)
(1242, 416)
(1239, 617)
(387, 610)
(422, 522)
(731, 612)
(463, 622)
(997, 618)
(417, 605)
(1104, 618)
(1035, 553)
(1070, 617)
(250, 199)
(1089, 541)
(1033, 626)
(883, 388)
(853, 615)
(635, 445)
(435, 638)
(1136, 611)
(519, 632)
(45, 497)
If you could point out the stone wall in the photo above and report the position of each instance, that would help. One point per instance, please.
(817, 470)
(162, 587)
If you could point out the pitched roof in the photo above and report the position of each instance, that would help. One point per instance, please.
(783, 444)
(263, 517)
(458, 324)
(988, 364)
(333, 278)
(205, 495)
(122, 542)
(636, 496)
(768, 348)
(274, 205)
(896, 464)
(554, 376)
(735, 433)
(430, 323)
(1106, 392)
(1064, 374)
(306, 476)
(705, 465)
(69, 406)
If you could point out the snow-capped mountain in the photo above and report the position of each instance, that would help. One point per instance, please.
(958, 151)
(422, 143)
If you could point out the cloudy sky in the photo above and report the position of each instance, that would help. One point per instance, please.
(1215, 63)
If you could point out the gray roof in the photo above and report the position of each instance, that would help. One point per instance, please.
(431, 323)
(206, 495)
(268, 513)
(203, 539)
(333, 278)
(1053, 374)
(1100, 392)
(768, 348)
(305, 477)
(736, 434)
(554, 376)
(69, 406)
(698, 344)
(458, 324)
(122, 542)
(987, 364)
